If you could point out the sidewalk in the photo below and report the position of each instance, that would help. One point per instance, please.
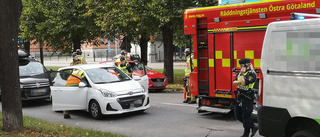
(64, 63)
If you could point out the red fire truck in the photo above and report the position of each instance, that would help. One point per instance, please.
(224, 34)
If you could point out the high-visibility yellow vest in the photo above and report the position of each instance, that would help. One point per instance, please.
(124, 68)
(75, 78)
(247, 87)
(78, 60)
(187, 69)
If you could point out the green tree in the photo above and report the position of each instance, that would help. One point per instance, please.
(10, 11)
(61, 24)
(129, 18)
(170, 15)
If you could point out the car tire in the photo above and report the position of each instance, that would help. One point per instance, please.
(306, 133)
(94, 109)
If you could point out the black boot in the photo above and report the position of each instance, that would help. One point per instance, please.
(66, 116)
(187, 100)
(254, 130)
(192, 102)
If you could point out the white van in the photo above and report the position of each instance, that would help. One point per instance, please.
(290, 64)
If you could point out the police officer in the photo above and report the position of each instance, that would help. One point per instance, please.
(190, 99)
(73, 80)
(77, 58)
(245, 81)
(123, 54)
(124, 66)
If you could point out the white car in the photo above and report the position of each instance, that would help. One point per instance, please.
(104, 90)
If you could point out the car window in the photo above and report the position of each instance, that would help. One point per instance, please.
(27, 68)
(106, 75)
(62, 78)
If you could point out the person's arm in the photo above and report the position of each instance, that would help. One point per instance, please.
(235, 81)
(129, 68)
(83, 60)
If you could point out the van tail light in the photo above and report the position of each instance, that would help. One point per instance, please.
(261, 89)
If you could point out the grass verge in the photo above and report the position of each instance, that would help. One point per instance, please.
(39, 128)
(178, 75)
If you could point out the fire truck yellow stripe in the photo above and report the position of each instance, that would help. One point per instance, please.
(218, 54)
(235, 55)
(195, 63)
(256, 63)
(223, 96)
(249, 54)
(238, 65)
(233, 5)
(256, 27)
(211, 62)
(225, 62)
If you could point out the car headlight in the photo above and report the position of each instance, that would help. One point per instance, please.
(142, 89)
(107, 93)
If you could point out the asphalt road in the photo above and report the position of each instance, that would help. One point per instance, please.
(167, 117)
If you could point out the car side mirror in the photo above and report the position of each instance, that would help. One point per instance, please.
(136, 78)
(82, 85)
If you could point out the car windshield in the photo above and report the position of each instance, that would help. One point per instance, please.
(27, 68)
(139, 66)
(106, 75)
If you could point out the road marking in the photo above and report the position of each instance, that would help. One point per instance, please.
(173, 104)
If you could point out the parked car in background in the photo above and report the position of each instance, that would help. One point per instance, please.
(104, 90)
(35, 80)
(157, 81)
(130, 57)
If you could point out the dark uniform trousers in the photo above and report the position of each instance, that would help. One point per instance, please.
(243, 110)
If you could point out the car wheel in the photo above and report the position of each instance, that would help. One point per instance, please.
(95, 110)
(306, 133)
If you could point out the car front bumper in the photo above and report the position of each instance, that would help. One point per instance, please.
(125, 104)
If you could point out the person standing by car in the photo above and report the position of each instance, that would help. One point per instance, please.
(123, 54)
(190, 99)
(245, 81)
(77, 59)
(73, 80)
(124, 66)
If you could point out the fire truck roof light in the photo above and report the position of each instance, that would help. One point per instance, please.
(305, 15)
(262, 16)
(301, 17)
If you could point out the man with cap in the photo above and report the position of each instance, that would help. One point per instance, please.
(243, 108)
(124, 66)
(190, 99)
(123, 54)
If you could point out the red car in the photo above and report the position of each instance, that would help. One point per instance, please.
(157, 81)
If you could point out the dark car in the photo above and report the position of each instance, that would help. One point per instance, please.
(35, 80)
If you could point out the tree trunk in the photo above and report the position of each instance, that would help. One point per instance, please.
(144, 49)
(76, 43)
(10, 11)
(167, 34)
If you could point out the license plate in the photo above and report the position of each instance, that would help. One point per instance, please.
(38, 92)
(158, 84)
(131, 105)
(138, 102)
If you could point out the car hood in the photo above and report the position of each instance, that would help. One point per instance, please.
(120, 87)
(150, 73)
(33, 80)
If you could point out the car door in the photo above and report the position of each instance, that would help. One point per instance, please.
(67, 97)
(144, 78)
